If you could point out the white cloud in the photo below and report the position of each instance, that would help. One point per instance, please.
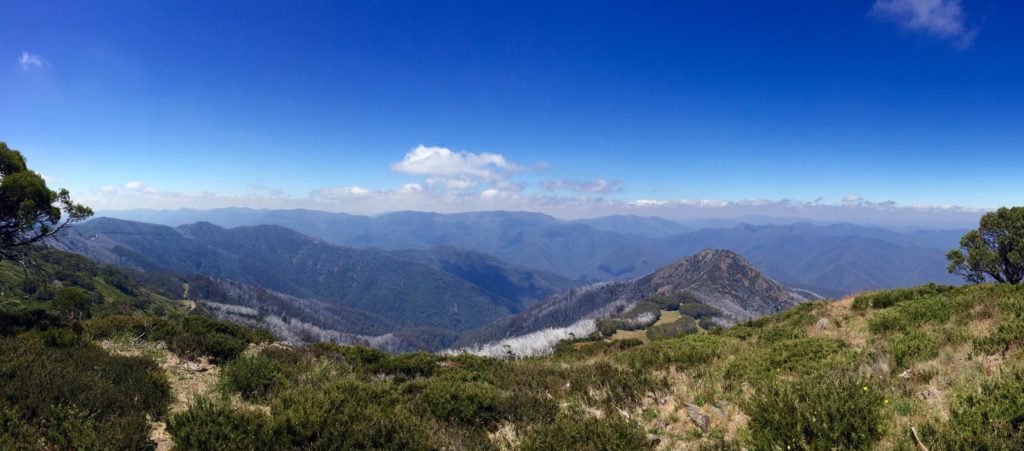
(644, 203)
(134, 186)
(583, 186)
(410, 188)
(463, 181)
(941, 18)
(443, 163)
(29, 60)
(343, 192)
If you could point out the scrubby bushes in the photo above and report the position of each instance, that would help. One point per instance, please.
(682, 352)
(75, 395)
(682, 326)
(574, 432)
(825, 411)
(191, 336)
(990, 416)
(252, 376)
(348, 414)
(212, 425)
(470, 403)
(889, 298)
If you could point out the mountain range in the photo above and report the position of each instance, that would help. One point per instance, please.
(832, 260)
(439, 290)
(274, 277)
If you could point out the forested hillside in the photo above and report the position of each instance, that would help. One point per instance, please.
(835, 259)
(439, 291)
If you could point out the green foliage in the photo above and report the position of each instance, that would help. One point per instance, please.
(73, 395)
(29, 210)
(190, 336)
(252, 376)
(826, 411)
(607, 326)
(682, 326)
(470, 403)
(683, 352)
(72, 303)
(994, 250)
(15, 320)
(800, 356)
(221, 340)
(913, 346)
(990, 416)
(213, 425)
(889, 298)
(572, 432)
(348, 414)
(1007, 334)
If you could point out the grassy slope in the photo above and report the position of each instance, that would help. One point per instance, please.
(857, 373)
(862, 371)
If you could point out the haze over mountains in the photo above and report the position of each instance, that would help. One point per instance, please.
(829, 259)
(274, 277)
(441, 290)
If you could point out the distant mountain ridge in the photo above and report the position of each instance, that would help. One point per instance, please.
(447, 290)
(830, 259)
(714, 277)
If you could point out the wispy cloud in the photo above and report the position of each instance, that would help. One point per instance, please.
(29, 60)
(852, 198)
(582, 186)
(941, 18)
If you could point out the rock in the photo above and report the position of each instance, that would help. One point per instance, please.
(718, 412)
(928, 393)
(698, 417)
(653, 440)
(905, 374)
(823, 324)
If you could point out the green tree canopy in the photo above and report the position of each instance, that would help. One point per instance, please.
(29, 210)
(995, 249)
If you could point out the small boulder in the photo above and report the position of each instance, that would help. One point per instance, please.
(698, 417)
(823, 324)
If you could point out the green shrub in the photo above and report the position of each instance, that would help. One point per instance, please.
(914, 346)
(607, 327)
(252, 376)
(698, 311)
(821, 412)
(989, 416)
(586, 433)
(13, 321)
(76, 395)
(214, 425)
(142, 325)
(473, 404)
(191, 336)
(801, 356)
(408, 365)
(348, 414)
(220, 340)
(683, 352)
(682, 326)
(1007, 334)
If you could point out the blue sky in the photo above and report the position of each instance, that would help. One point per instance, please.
(683, 109)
